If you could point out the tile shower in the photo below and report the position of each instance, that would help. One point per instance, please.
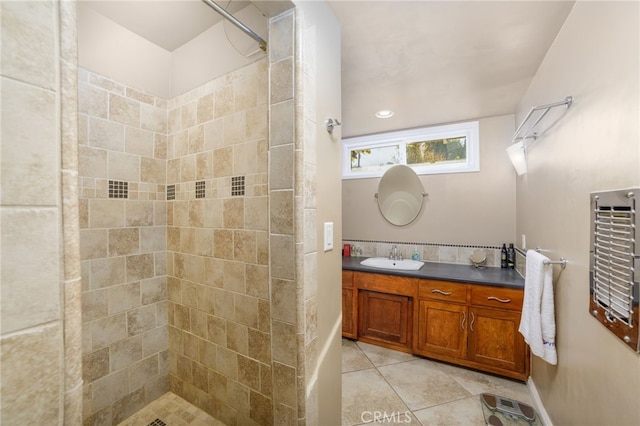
(175, 209)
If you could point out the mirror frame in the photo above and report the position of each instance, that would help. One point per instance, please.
(400, 195)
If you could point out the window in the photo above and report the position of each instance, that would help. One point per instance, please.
(439, 149)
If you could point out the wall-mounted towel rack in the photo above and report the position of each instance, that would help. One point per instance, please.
(562, 262)
(531, 134)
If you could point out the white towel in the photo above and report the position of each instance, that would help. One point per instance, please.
(538, 324)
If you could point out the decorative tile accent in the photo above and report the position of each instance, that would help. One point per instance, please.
(118, 189)
(200, 189)
(171, 192)
(157, 422)
(237, 185)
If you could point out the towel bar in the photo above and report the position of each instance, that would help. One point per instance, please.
(562, 262)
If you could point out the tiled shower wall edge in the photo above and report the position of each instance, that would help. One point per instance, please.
(430, 252)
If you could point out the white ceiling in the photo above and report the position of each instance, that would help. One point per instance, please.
(428, 61)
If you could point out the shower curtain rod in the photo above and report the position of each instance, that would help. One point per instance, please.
(240, 25)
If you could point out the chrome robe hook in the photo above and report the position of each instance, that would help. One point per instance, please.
(331, 123)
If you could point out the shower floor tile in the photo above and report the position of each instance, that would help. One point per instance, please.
(171, 410)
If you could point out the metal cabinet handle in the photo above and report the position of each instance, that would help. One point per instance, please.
(464, 319)
(473, 318)
(444, 293)
(498, 299)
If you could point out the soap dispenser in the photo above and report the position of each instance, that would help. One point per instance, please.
(416, 254)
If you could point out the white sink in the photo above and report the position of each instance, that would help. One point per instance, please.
(384, 263)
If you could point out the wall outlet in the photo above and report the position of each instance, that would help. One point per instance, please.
(328, 236)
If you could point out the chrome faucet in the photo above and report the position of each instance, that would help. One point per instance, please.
(393, 255)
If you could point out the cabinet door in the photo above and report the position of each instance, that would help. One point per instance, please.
(494, 339)
(442, 329)
(385, 317)
(348, 314)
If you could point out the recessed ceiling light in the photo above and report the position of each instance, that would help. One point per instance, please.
(384, 113)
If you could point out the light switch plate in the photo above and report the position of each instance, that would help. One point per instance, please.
(328, 236)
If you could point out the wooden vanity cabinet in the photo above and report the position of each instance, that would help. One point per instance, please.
(472, 325)
(385, 310)
(349, 306)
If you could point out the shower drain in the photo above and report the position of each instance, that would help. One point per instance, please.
(157, 422)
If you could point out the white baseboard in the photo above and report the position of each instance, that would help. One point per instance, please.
(544, 416)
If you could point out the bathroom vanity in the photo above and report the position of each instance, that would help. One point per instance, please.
(454, 313)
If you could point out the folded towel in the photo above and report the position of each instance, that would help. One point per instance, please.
(538, 324)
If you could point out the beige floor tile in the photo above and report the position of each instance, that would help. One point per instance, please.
(476, 383)
(383, 356)
(353, 358)
(365, 393)
(463, 412)
(421, 384)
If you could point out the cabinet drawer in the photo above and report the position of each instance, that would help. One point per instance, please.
(497, 297)
(443, 290)
(385, 283)
(347, 279)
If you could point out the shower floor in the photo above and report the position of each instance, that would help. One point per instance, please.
(171, 410)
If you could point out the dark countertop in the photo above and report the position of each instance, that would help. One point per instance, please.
(446, 271)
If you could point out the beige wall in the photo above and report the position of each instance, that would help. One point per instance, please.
(592, 146)
(40, 270)
(461, 208)
(110, 49)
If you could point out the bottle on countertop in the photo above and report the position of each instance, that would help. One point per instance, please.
(511, 256)
(503, 257)
(416, 254)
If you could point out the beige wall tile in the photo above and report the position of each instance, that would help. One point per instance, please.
(256, 122)
(244, 246)
(257, 281)
(95, 365)
(227, 362)
(138, 141)
(196, 139)
(204, 165)
(106, 134)
(107, 272)
(153, 239)
(30, 267)
(139, 213)
(282, 160)
(188, 168)
(155, 340)
(128, 405)
(152, 118)
(30, 161)
(282, 256)
(217, 330)
(94, 305)
(284, 342)
(223, 101)
(125, 352)
(108, 330)
(124, 241)
(139, 267)
(214, 134)
(234, 127)
(281, 205)
(123, 110)
(223, 248)
(123, 297)
(92, 162)
(284, 389)
(246, 310)
(224, 304)
(141, 320)
(281, 80)
(29, 42)
(123, 166)
(281, 37)
(106, 213)
(160, 146)
(281, 124)
(283, 301)
(31, 395)
(153, 170)
(188, 115)
(223, 162)
(246, 94)
(93, 243)
(237, 337)
(261, 408)
(205, 108)
(109, 389)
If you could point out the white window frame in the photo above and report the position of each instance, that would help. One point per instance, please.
(470, 130)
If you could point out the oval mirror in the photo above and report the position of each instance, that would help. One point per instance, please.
(400, 195)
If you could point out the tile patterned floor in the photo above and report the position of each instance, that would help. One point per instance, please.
(171, 410)
(412, 390)
(379, 386)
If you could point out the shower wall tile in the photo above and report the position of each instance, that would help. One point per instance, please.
(30, 267)
(27, 180)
